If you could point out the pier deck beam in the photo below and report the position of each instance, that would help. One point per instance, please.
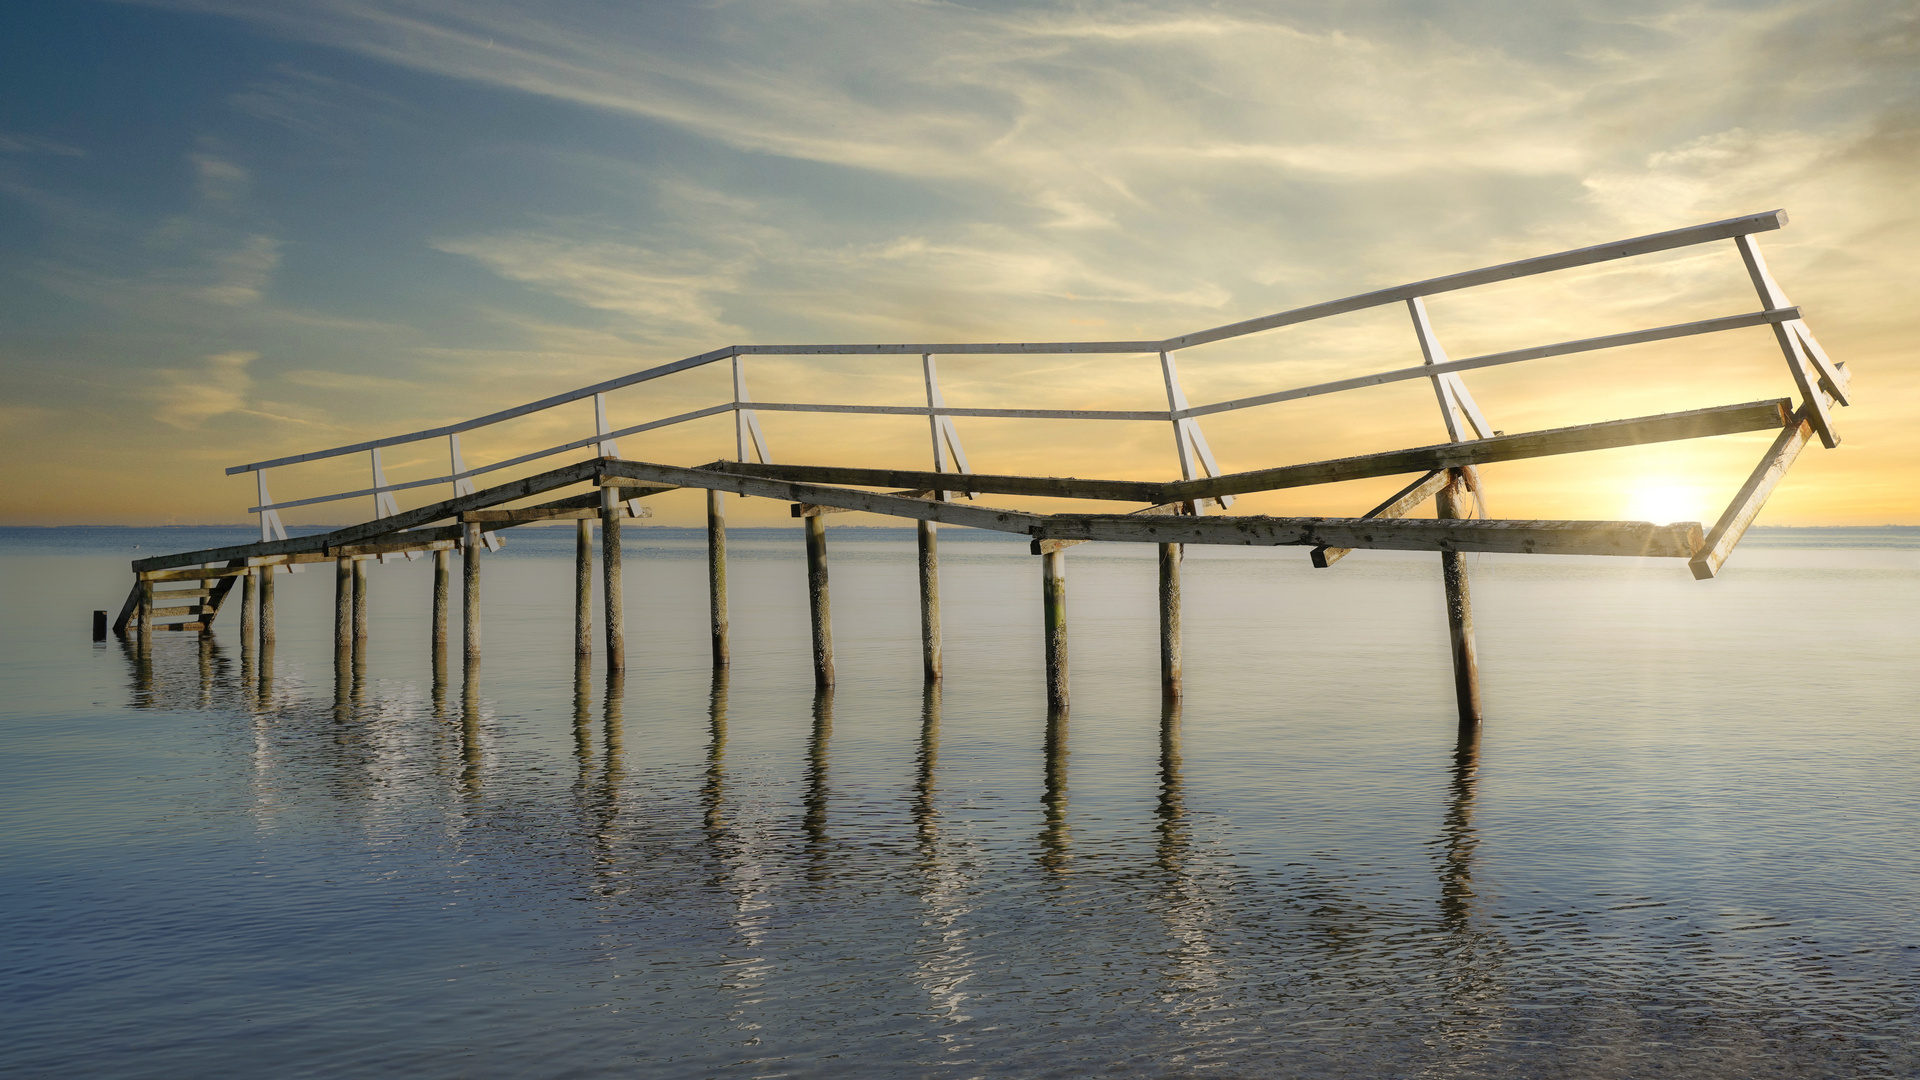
(470, 592)
(442, 597)
(343, 604)
(717, 575)
(818, 608)
(1053, 593)
(928, 534)
(1170, 558)
(582, 587)
(1456, 502)
(610, 510)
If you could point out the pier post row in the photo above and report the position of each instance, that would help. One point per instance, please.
(586, 478)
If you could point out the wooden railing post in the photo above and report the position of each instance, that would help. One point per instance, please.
(820, 615)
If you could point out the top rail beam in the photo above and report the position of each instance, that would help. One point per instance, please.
(1619, 249)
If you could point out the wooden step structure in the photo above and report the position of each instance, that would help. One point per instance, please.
(185, 591)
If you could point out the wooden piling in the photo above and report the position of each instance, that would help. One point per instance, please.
(442, 596)
(583, 587)
(929, 536)
(470, 592)
(817, 603)
(1053, 590)
(100, 625)
(1456, 502)
(610, 579)
(343, 604)
(266, 609)
(717, 575)
(248, 600)
(1170, 557)
(359, 601)
(143, 614)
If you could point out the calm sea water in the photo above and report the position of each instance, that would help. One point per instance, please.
(1687, 843)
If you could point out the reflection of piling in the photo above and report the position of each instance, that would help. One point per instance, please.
(924, 813)
(1456, 502)
(717, 575)
(713, 791)
(1456, 868)
(928, 534)
(1054, 840)
(1053, 577)
(470, 725)
(1172, 808)
(820, 616)
(814, 820)
(264, 685)
(1170, 556)
(582, 710)
(613, 731)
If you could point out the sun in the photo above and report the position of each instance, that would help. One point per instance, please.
(1664, 504)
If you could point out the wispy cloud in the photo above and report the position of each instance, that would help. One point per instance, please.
(189, 397)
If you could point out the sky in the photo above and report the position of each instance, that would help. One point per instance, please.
(233, 230)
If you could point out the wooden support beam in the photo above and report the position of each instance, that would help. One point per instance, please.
(537, 513)
(610, 567)
(267, 631)
(1170, 658)
(442, 598)
(1041, 547)
(470, 593)
(448, 539)
(927, 536)
(1051, 487)
(343, 604)
(1399, 504)
(582, 587)
(360, 600)
(195, 627)
(717, 577)
(1457, 503)
(180, 594)
(978, 517)
(1678, 540)
(1667, 427)
(820, 616)
(171, 612)
(1053, 608)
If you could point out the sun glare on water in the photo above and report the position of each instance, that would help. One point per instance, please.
(1664, 504)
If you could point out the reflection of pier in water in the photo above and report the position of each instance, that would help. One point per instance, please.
(759, 856)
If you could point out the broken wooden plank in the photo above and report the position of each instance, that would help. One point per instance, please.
(1676, 541)
(1399, 504)
(801, 510)
(1753, 494)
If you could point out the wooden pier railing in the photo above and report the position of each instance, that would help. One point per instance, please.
(185, 591)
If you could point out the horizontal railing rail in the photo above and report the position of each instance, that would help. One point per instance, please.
(1192, 445)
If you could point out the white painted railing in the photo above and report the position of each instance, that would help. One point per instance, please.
(1807, 362)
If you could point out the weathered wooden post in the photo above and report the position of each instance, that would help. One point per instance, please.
(583, 587)
(1053, 590)
(266, 608)
(359, 601)
(343, 603)
(928, 534)
(470, 592)
(143, 614)
(610, 579)
(1456, 502)
(442, 597)
(817, 603)
(248, 599)
(717, 575)
(1170, 556)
